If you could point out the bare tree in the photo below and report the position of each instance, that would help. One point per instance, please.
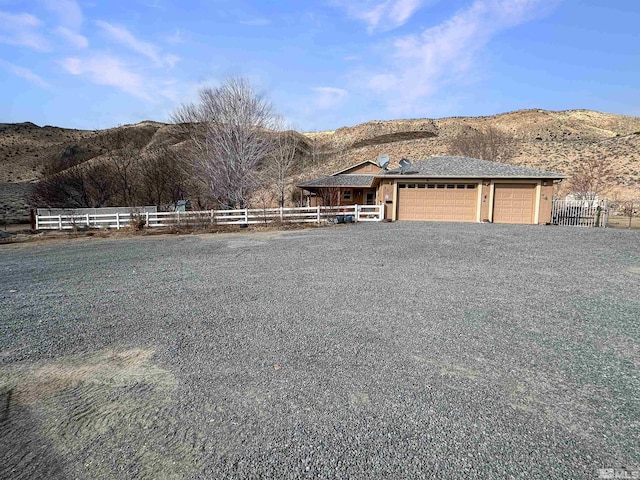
(164, 176)
(66, 189)
(99, 184)
(487, 144)
(314, 146)
(329, 196)
(590, 178)
(281, 162)
(229, 138)
(122, 158)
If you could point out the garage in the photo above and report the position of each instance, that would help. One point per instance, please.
(514, 203)
(447, 202)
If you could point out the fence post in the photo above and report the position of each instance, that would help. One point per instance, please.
(281, 213)
(117, 220)
(37, 224)
(246, 216)
(88, 222)
(318, 214)
(60, 222)
(147, 219)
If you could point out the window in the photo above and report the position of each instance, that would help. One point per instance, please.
(440, 185)
(431, 185)
(450, 185)
(346, 195)
(471, 186)
(402, 185)
(411, 185)
(459, 186)
(421, 185)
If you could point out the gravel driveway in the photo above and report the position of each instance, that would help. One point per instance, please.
(404, 350)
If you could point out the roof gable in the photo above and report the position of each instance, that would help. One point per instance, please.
(361, 168)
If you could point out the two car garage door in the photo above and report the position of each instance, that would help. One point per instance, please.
(447, 202)
(512, 203)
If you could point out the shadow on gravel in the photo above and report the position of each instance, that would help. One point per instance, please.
(24, 452)
(88, 416)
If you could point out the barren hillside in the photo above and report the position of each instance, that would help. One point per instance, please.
(542, 139)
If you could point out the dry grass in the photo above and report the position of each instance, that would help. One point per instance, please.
(619, 221)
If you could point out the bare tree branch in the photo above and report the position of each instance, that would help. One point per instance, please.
(590, 178)
(281, 161)
(164, 175)
(487, 144)
(230, 136)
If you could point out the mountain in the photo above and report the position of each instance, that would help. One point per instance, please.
(548, 140)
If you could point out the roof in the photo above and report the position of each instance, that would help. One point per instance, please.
(355, 166)
(354, 180)
(465, 167)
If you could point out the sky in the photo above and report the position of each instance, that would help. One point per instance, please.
(95, 64)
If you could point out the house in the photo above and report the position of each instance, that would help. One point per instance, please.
(355, 185)
(450, 189)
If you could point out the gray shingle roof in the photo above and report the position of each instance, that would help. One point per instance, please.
(472, 168)
(353, 180)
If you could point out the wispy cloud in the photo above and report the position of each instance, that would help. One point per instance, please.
(422, 64)
(256, 22)
(328, 97)
(25, 73)
(381, 16)
(175, 38)
(68, 12)
(22, 29)
(121, 35)
(107, 70)
(170, 60)
(74, 39)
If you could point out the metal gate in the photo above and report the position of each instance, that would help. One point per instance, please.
(580, 213)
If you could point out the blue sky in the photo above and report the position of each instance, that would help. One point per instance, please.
(325, 64)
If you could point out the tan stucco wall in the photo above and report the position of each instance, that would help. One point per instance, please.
(485, 194)
(358, 196)
(546, 196)
(385, 197)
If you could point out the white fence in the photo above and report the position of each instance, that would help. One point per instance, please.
(580, 213)
(348, 213)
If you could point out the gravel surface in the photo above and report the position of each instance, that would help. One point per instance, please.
(404, 350)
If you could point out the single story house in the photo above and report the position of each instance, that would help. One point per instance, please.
(451, 189)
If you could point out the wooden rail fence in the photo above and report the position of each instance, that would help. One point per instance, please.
(247, 216)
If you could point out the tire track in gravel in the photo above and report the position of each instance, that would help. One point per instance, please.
(66, 418)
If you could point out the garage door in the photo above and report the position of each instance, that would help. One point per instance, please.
(514, 203)
(448, 202)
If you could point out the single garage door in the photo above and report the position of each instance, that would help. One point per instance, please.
(448, 202)
(514, 203)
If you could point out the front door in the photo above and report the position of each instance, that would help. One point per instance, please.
(370, 198)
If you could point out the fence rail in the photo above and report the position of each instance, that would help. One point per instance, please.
(580, 213)
(247, 216)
